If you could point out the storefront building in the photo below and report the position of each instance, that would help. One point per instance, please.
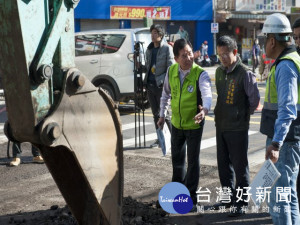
(243, 19)
(195, 16)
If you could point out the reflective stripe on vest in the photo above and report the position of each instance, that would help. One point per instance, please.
(271, 101)
(184, 98)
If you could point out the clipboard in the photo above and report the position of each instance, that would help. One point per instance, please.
(164, 138)
(266, 177)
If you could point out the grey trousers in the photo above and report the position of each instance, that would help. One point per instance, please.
(154, 95)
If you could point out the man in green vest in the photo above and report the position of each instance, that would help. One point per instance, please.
(188, 87)
(238, 97)
(280, 119)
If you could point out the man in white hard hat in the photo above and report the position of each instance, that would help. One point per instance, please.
(280, 119)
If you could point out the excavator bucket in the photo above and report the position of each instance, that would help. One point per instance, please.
(89, 175)
(54, 106)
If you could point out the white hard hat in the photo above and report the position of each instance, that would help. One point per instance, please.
(277, 23)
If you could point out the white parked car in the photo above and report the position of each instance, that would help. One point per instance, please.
(102, 56)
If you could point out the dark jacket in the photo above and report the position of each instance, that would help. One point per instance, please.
(164, 59)
(232, 111)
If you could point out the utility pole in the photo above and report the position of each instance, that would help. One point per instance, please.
(214, 18)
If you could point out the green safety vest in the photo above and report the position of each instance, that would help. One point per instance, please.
(270, 109)
(271, 92)
(186, 98)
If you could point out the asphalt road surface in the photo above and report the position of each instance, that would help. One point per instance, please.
(29, 195)
(208, 143)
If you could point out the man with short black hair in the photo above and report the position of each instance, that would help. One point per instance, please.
(159, 56)
(238, 97)
(188, 87)
(296, 34)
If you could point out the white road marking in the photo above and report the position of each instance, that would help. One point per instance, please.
(131, 125)
(210, 142)
(255, 158)
(131, 141)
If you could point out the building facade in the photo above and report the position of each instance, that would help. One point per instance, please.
(195, 16)
(243, 19)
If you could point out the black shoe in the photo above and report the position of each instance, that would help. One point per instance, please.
(238, 212)
(155, 144)
(158, 206)
(196, 208)
(222, 204)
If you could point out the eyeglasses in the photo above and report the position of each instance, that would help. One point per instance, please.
(296, 38)
(224, 55)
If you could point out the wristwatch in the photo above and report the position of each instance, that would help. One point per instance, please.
(275, 144)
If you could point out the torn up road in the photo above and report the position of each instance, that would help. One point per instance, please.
(29, 195)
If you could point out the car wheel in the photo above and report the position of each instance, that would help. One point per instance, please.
(108, 90)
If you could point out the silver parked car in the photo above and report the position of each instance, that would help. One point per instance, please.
(102, 56)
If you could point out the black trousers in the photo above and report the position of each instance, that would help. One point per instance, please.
(189, 177)
(17, 151)
(154, 95)
(232, 149)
